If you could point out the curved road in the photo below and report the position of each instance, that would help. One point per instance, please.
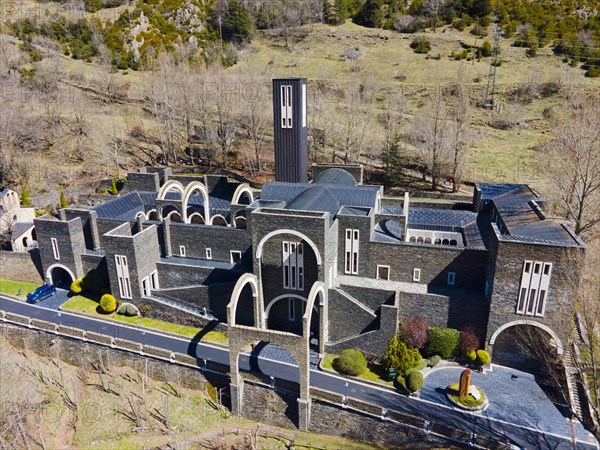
(523, 437)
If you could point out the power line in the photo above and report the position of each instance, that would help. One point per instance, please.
(488, 101)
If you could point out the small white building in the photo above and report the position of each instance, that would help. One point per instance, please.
(16, 221)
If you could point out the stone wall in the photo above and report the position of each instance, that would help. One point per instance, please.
(560, 298)
(149, 182)
(221, 240)
(21, 266)
(214, 298)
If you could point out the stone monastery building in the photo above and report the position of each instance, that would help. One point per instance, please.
(330, 259)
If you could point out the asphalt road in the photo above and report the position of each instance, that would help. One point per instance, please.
(530, 438)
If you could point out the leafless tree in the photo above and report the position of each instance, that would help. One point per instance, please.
(431, 134)
(7, 222)
(434, 8)
(571, 160)
(255, 117)
(461, 134)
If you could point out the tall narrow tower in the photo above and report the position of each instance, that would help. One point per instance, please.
(290, 129)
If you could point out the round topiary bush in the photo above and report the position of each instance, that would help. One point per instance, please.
(483, 357)
(434, 360)
(350, 362)
(414, 381)
(470, 355)
(108, 303)
(77, 286)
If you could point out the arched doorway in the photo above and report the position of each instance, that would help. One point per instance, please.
(526, 345)
(285, 313)
(219, 220)
(196, 218)
(24, 242)
(60, 276)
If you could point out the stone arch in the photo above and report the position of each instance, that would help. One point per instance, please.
(189, 190)
(52, 275)
(141, 213)
(218, 220)
(247, 278)
(283, 297)
(292, 232)
(165, 210)
(242, 190)
(240, 222)
(152, 214)
(559, 346)
(171, 185)
(196, 218)
(174, 216)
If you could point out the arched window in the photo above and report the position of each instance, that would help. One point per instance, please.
(413, 239)
(453, 242)
(428, 240)
(438, 241)
(445, 242)
(419, 240)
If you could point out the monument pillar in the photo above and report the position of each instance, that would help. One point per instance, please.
(303, 414)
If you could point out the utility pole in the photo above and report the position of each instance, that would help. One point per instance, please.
(488, 100)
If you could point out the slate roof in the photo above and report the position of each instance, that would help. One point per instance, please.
(439, 219)
(490, 191)
(516, 208)
(336, 176)
(4, 191)
(388, 231)
(321, 197)
(121, 208)
(20, 228)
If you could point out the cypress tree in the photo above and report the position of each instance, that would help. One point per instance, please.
(113, 187)
(63, 200)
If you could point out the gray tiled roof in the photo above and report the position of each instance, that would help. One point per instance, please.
(337, 176)
(388, 231)
(317, 198)
(493, 190)
(439, 219)
(523, 223)
(121, 208)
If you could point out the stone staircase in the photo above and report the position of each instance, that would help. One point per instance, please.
(576, 390)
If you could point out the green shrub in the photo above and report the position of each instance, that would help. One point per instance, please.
(414, 381)
(420, 45)
(434, 360)
(443, 342)
(25, 201)
(63, 200)
(470, 355)
(350, 362)
(113, 186)
(400, 357)
(108, 303)
(483, 357)
(77, 286)
(370, 15)
(486, 49)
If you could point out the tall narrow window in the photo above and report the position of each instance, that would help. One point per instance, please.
(533, 293)
(55, 248)
(208, 253)
(146, 286)
(303, 106)
(182, 250)
(351, 251)
(417, 275)
(286, 106)
(154, 280)
(451, 278)
(293, 265)
(123, 276)
(291, 309)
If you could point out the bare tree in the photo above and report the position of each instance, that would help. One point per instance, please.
(432, 136)
(461, 134)
(255, 117)
(7, 222)
(571, 160)
(434, 8)
(394, 104)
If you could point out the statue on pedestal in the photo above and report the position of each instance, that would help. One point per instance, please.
(465, 382)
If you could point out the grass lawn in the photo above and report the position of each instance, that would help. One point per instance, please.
(86, 305)
(373, 373)
(11, 287)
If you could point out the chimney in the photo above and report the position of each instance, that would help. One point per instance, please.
(290, 129)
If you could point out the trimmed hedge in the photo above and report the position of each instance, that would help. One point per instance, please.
(414, 381)
(443, 342)
(483, 357)
(77, 286)
(470, 355)
(434, 360)
(350, 362)
(108, 303)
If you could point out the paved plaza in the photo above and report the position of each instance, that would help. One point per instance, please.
(514, 397)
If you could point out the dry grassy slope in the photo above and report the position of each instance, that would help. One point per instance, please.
(505, 156)
(35, 391)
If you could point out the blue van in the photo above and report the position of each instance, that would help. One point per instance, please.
(41, 293)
